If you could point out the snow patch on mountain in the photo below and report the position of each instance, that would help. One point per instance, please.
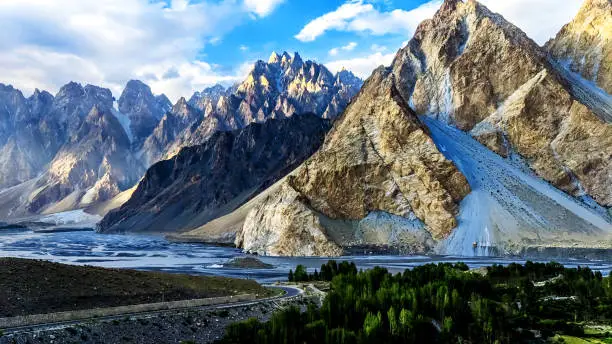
(125, 122)
(73, 217)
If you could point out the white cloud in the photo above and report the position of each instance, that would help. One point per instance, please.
(243, 48)
(262, 7)
(45, 44)
(378, 48)
(526, 14)
(358, 16)
(540, 19)
(349, 47)
(361, 66)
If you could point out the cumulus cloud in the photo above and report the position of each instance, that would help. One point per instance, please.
(359, 16)
(262, 7)
(45, 44)
(361, 66)
(349, 47)
(540, 19)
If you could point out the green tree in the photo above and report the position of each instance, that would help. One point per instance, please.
(372, 324)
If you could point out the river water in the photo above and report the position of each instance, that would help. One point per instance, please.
(155, 253)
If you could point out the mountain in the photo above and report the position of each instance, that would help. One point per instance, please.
(466, 172)
(140, 110)
(26, 142)
(476, 71)
(170, 128)
(81, 149)
(94, 165)
(207, 181)
(378, 163)
(283, 86)
(585, 44)
(206, 99)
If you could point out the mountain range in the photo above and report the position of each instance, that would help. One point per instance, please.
(476, 140)
(81, 147)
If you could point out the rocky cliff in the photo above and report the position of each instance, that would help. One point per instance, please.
(207, 181)
(585, 44)
(471, 68)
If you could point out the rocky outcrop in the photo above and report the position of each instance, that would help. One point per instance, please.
(377, 165)
(142, 109)
(585, 44)
(204, 182)
(471, 68)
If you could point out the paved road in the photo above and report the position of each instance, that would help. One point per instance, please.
(290, 292)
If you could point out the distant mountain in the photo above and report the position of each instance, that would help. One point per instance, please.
(207, 99)
(204, 182)
(94, 165)
(142, 111)
(79, 148)
(26, 142)
(280, 88)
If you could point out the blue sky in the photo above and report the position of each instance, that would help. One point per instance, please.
(179, 46)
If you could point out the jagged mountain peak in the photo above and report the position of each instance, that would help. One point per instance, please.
(208, 97)
(137, 84)
(274, 58)
(180, 104)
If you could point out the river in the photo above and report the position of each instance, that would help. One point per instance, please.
(155, 253)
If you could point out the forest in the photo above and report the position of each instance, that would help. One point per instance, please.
(443, 303)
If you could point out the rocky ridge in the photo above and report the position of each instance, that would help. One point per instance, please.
(56, 156)
(471, 68)
(585, 44)
(280, 88)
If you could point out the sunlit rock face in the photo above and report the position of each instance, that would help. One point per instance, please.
(93, 165)
(585, 44)
(377, 158)
(471, 68)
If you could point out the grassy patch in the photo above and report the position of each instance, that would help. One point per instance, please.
(35, 287)
(575, 340)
